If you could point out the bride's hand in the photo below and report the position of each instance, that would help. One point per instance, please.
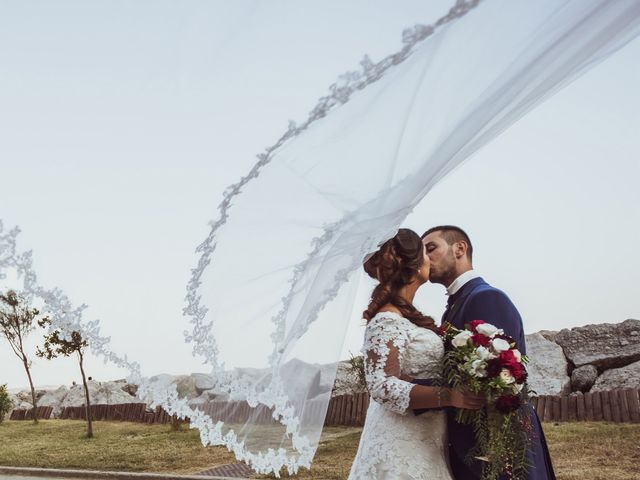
(466, 399)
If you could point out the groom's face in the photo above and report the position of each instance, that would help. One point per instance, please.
(443, 261)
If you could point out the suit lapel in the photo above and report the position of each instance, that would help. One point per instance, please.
(457, 301)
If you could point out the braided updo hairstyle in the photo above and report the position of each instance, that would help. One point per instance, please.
(394, 265)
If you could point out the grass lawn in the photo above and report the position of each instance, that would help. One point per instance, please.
(596, 451)
(121, 446)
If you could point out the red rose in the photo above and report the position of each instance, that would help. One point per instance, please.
(518, 372)
(508, 403)
(474, 323)
(442, 330)
(494, 367)
(507, 358)
(480, 340)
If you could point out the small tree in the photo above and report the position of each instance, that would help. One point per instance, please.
(17, 321)
(356, 369)
(6, 404)
(55, 345)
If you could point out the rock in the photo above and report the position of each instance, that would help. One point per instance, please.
(75, 396)
(186, 386)
(130, 388)
(547, 366)
(21, 401)
(202, 382)
(54, 399)
(549, 334)
(583, 378)
(605, 346)
(619, 378)
(211, 395)
(110, 393)
(305, 379)
(24, 396)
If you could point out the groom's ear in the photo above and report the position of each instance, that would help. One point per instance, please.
(460, 249)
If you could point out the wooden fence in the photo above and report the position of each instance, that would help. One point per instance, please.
(347, 410)
(43, 413)
(610, 406)
(125, 412)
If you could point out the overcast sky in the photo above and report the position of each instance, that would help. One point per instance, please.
(121, 123)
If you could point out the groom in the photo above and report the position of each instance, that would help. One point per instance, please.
(471, 298)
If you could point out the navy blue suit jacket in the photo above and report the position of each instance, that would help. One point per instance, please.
(477, 300)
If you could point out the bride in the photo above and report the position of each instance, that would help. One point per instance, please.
(401, 344)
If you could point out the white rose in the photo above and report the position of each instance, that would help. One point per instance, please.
(478, 368)
(460, 340)
(517, 354)
(486, 329)
(500, 345)
(506, 376)
(483, 353)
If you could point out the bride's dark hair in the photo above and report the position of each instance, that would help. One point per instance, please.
(395, 265)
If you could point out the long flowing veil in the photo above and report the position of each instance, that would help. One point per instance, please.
(270, 297)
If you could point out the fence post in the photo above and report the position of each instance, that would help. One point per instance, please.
(633, 399)
(588, 406)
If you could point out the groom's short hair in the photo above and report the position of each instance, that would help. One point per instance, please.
(453, 234)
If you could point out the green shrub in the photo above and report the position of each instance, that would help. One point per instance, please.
(6, 404)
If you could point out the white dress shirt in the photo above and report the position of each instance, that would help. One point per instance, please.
(461, 280)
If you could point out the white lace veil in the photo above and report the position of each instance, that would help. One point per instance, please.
(270, 298)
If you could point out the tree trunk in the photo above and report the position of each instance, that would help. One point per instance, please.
(86, 398)
(25, 362)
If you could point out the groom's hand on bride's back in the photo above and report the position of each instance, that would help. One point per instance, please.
(465, 399)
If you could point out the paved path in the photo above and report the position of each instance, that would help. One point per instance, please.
(26, 477)
(18, 473)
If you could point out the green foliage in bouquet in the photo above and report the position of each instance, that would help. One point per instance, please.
(484, 360)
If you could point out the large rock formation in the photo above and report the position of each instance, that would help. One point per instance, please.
(109, 393)
(547, 366)
(604, 346)
(619, 378)
(99, 393)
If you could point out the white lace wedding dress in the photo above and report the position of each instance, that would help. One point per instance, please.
(396, 444)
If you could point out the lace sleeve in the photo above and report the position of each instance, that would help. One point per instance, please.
(384, 344)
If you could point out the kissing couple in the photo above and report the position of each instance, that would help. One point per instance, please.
(410, 431)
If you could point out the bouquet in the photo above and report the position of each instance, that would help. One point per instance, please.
(481, 358)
